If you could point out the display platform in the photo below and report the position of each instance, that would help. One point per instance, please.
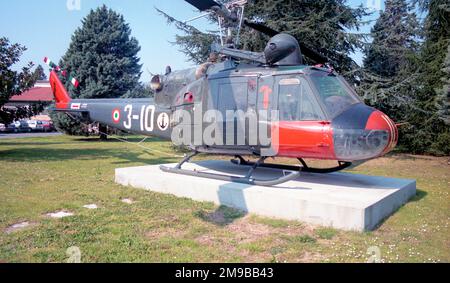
(340, 200)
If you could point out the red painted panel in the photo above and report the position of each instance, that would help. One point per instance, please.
(305, 139)
(380, 121)
(62, 98)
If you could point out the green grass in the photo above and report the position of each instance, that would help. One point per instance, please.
(326, 233)
(42, 175)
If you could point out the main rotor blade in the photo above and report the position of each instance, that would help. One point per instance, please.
(203, 5)
(261, 28)
(313, 55)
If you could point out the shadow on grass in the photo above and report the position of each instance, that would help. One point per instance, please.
(221, 217)
(44, 143)
(410, 157)
(133, 139)
(419, 196)
(46, 154)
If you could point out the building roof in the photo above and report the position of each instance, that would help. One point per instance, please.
(41, 92)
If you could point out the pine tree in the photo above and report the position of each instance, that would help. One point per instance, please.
(39, 73)
(389, 72)
(408, 79)
(320, 24)
(103, 57)
(14, 82)
(394, 38)
(431, 131)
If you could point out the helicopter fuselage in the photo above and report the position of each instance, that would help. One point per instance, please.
(311, 112)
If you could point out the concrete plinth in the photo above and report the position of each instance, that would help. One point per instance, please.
(339, 200)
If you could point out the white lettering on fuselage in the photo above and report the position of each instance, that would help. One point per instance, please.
(146, 117)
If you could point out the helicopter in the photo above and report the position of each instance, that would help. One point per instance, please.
(286, 108)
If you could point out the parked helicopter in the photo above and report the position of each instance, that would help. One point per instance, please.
(319, 115)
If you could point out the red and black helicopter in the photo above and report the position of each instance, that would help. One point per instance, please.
(317, 113)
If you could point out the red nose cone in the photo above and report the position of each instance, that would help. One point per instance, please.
(380, 121)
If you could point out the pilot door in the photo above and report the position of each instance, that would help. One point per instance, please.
(233, 98)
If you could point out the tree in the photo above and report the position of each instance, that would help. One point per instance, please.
(103, 57)
(140, 91)
(14, 82)
(321, 24)
(406, 78)
(389, 73)
(39, 73)
(394, 38)
(431, 126)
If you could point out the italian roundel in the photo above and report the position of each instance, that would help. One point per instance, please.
(116, 116)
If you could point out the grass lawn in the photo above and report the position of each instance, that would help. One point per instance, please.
(42, 175)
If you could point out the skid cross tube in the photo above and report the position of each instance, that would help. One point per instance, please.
(248, 179)
(342, 165)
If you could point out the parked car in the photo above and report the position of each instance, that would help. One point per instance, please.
(21, 126)
(47, 126)
(35, 125)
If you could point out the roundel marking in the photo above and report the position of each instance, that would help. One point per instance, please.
(116, 116)
(163, 121)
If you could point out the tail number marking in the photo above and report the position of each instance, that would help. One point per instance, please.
(129, 110)
(146, 117)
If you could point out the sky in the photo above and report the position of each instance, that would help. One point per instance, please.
(45, 27)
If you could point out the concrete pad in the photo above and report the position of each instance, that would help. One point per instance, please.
(340, 200)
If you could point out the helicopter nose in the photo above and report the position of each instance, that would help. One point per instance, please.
(378, 121)
(363, 132)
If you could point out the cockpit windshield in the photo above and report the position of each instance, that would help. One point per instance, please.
(334, 92)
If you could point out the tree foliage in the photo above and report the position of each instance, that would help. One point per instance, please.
(432, 127)
(394, 39)
(103, 57)
(321, 24)
(407, 77)
(14, 82)
(39, 73)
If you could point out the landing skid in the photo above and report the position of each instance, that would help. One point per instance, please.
(342, 165)
(248, 179)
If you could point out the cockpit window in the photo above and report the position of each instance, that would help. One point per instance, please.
(335, 94)
(296, 102)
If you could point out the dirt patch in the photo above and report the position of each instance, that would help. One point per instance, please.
(246, 231)
(128, 201)
(60, 214)
(90, 206)
(19, 226)
(159, 233)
